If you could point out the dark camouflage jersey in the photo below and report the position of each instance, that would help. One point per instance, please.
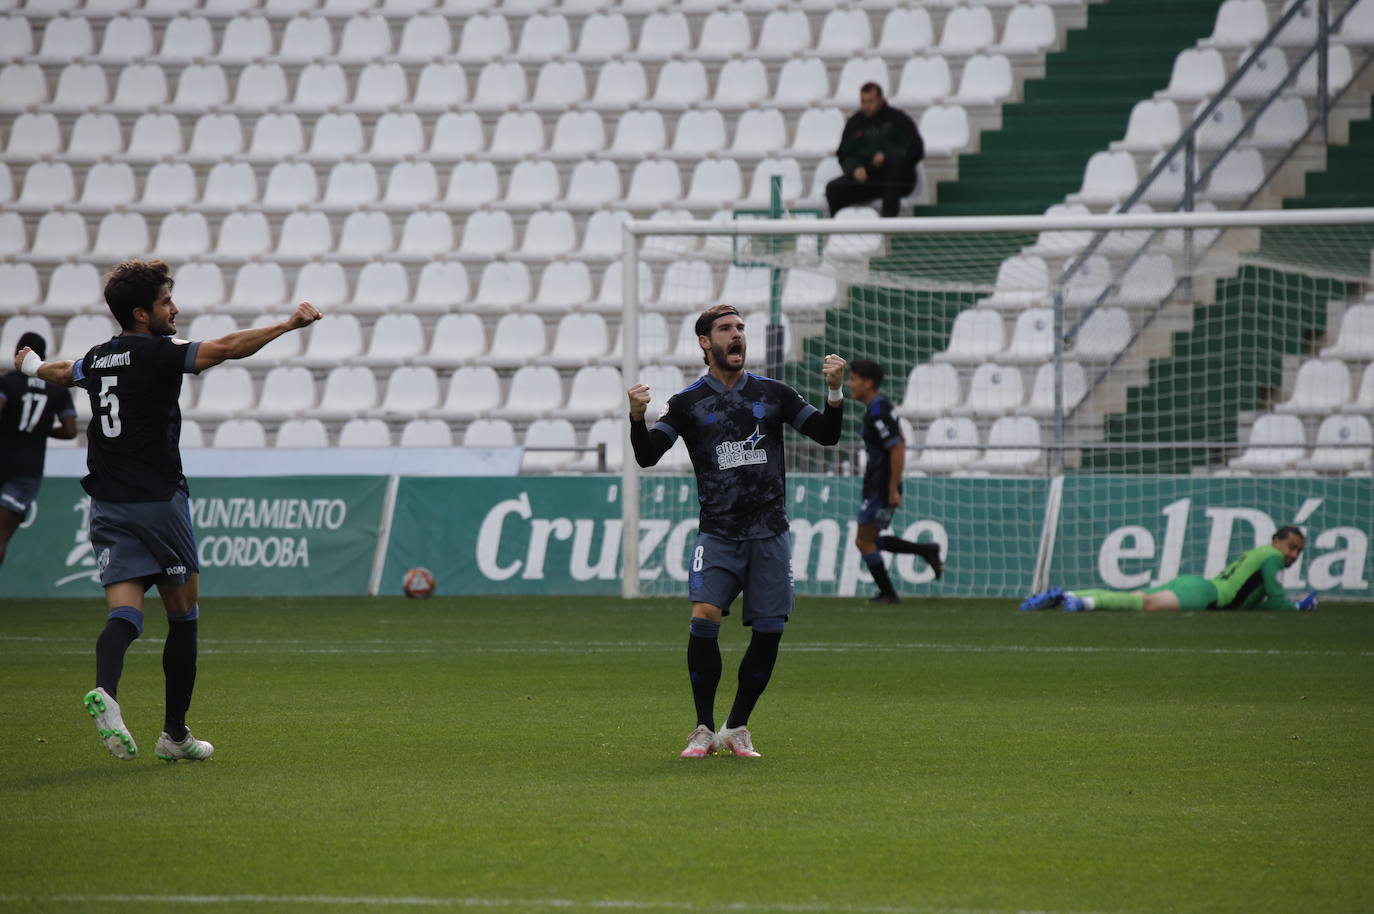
(881, 432)
(735, 440)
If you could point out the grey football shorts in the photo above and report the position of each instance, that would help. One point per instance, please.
(18, 492)
(762, 569)
(143, 540)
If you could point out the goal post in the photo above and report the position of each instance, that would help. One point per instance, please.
(1060, 379)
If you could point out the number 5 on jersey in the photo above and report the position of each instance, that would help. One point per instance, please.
(109, 407)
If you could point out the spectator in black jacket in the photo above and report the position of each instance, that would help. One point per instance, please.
(879, 152)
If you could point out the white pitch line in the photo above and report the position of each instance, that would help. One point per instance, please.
(350, 646)
(563, 904)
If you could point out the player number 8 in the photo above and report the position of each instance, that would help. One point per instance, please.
(698, 558)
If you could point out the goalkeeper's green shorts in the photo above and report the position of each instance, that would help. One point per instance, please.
(1193, 591)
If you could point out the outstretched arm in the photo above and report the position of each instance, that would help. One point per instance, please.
(825, 426)
(649, 444)
(1274, 595)
(242, 343)
(27, 361)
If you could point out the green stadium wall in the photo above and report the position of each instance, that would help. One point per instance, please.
(511, 535)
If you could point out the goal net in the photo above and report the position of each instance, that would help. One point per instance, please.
(1085, 400)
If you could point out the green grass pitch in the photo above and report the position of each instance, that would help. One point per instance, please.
(521, 755)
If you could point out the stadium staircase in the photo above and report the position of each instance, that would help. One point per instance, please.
(1081, 104)
(1252, 375)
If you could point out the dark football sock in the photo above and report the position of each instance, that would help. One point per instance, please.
(755, 669)
(121, 629)
(928, 551)
(874, 561)
(179, 668)
(704, 666)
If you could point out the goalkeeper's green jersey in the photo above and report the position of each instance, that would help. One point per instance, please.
(1252, 582)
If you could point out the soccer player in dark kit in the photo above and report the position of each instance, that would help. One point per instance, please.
(882, 492)
(732, 423)
(140, 503)
(27, 409)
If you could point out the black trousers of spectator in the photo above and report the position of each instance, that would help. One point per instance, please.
(845, 191)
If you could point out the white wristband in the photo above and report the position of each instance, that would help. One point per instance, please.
(835, 396)
(31, 364)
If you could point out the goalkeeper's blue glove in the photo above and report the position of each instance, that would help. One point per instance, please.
(1308, 603)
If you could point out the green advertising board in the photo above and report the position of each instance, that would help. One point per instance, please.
(257, 536)
(562, 535)
(1131, 532)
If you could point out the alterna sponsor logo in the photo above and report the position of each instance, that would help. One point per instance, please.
(1335, 557)
(222, 545)
(732, 454)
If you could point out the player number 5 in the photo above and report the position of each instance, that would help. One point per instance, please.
(109, 408)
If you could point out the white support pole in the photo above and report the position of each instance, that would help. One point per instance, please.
(629, 474)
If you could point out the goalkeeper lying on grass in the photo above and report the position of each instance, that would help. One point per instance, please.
(1250, 582)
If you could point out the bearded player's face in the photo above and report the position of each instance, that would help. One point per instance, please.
(727, 343)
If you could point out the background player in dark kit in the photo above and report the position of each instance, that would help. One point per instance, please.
(28, 407)
(882, 491)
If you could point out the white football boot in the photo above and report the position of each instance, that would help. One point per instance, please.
(109, 723)
(197, 750)
(738, 741)
(701, 743)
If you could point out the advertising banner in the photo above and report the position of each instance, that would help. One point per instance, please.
(1129, 532)
(256, 537)
(562, 535)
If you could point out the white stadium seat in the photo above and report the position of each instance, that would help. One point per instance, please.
(1006, 431)
(472, 391)
(410, 389)
(564, 285)
(993, 391)
(699, 133)
(924, 81)
(1322, 387)
(535, 392)
(1041, 402)
(455, 340)
(302, 433)
(1355, 339)
(348, 391)
(548, 433)
(932, 390)
(517, 340)
(288, 391)
(595, 392)
(337, 134)
(804, 81)
(426, 433)
(239, 433)
(1342, 443)
(365, 433)
(578, 340)
(333, 342)
(977, 335)
(489, 433)
(957, 440)
(1271, 429)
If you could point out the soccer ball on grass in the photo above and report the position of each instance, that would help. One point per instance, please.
(418, 583)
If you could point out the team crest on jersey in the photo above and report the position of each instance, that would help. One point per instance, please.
(731, 454)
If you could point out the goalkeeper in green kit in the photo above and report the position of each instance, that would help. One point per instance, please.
(1250, 582)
